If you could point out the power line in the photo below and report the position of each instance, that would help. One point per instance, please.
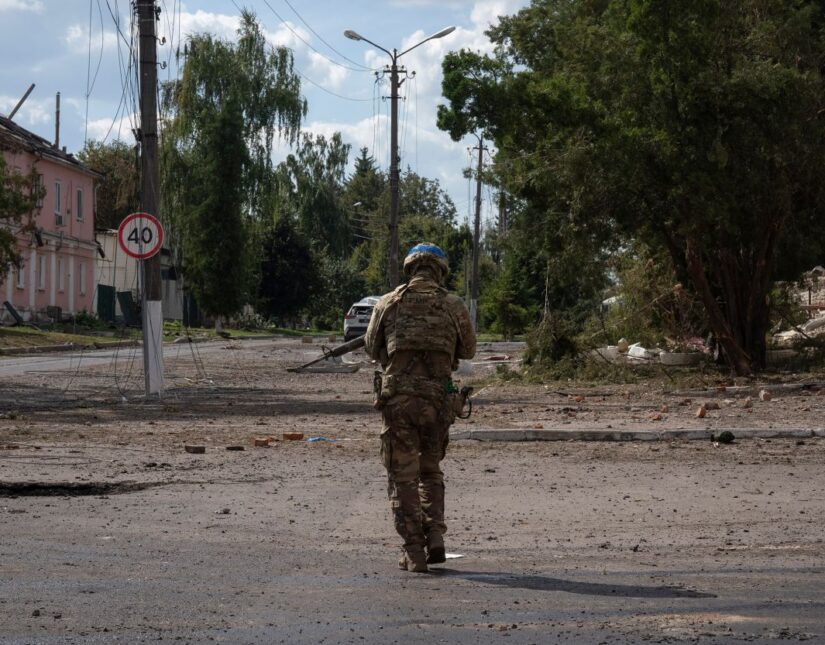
(295, 11)
(361, 68)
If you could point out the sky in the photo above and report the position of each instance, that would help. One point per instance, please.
(80, 49)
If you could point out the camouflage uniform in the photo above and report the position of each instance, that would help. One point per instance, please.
(418, 332)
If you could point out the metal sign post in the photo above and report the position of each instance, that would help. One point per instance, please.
(140, 235)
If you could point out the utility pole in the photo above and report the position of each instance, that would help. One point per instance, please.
(394, 178)
(394, 71)
(476, 235)
(151, 311)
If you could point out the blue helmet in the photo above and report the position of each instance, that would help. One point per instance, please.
(426, 252)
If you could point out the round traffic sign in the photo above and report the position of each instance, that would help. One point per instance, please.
(140, 235)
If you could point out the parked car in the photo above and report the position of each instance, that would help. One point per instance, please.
(358, 317)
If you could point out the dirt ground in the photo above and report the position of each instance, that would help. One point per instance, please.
(112, 532)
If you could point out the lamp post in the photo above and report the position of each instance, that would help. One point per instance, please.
(394, 70)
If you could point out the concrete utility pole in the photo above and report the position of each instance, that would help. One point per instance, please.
(394, 70)
(477, 235)
(151, 311)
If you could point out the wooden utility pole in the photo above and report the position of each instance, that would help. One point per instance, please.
(476, 235)
(395, 277)
(151, 311)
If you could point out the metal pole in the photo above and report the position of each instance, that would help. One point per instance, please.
(394, 275)
(20, 102)
(152, 313)
(57, 121)
(476, 238)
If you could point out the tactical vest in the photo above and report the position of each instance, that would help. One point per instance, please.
(422, 322)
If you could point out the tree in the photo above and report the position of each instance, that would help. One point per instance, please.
(215, 264)
(693, 126)
(253, 91)
(289, 274)
(117, 192)
(309, 188)
(18, 199)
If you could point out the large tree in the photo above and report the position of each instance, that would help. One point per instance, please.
(696, 126)
(252, 89)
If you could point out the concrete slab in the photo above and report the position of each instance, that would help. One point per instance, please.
(598, 434)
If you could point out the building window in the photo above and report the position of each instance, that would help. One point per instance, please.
(79, 211)
(82, 279)
(58, 197)
(21, 278)
(61, 277)
(41, 275)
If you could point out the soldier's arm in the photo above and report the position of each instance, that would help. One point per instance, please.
(374, 338)
(466, 343)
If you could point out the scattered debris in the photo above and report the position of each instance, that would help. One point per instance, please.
(317, 439)
(306, 340)
(293, 436)
(726, 436)
(261, 442)
(195, 450)
(664, 409)
(498, 357)
(764, 395)
(747, 403)
(701, 412)
(235, 448)
(711, 405)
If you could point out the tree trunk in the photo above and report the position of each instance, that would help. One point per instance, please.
(721, 325)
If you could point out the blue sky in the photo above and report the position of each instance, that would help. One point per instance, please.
(49, 43)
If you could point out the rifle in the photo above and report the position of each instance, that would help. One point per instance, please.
(338, 350)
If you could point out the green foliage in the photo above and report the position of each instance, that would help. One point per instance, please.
(651, 307)
(694, 126)
(213, 246)
(289, 275)
(18, 200)
(117, 192)
(220, 121)
(309, 189)
(341, 285)
(504, 308)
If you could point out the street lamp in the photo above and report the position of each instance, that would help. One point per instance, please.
(393, 70)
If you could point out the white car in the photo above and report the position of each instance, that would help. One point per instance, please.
(358, 317)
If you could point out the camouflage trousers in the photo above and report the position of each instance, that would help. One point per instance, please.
(413, 443)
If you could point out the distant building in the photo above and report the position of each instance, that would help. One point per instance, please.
(59, 258)
(116, 274)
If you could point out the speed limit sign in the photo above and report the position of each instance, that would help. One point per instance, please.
(140, 235)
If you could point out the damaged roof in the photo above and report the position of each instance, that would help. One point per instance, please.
(12, 134)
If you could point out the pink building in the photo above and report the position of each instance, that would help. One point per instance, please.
(59, 259)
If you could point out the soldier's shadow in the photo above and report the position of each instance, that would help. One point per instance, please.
(546, 583)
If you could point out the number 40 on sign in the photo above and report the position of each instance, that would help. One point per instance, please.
(140, 235)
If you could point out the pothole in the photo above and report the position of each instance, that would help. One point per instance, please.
(70, 489)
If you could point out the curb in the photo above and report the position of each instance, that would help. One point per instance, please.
(515, 434)
(69, 347)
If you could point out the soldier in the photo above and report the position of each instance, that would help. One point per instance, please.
(418, 332)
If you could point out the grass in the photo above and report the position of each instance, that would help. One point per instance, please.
(15, 337)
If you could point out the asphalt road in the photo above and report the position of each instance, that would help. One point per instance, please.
(110, 532)
(294, 545)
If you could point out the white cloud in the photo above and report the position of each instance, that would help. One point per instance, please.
(22, 5)
(487, 12)
(326, 73)
(202, 22)
(77, 38)
(32, 113)
(112, 130)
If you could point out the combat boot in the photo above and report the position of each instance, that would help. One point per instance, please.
(435, 548)
(413, 560)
